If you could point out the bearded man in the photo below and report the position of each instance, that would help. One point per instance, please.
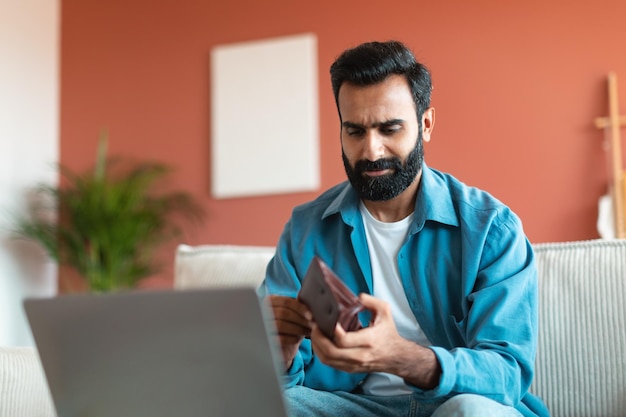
(444, 270)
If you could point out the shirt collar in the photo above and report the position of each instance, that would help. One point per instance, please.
(346, 203)
(433, 202)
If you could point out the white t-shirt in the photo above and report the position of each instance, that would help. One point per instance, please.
(384, 241)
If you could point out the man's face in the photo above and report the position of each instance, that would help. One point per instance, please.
(382, 142)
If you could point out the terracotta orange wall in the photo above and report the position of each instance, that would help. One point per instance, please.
(517, 87)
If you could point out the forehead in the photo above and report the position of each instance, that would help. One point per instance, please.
(389, 99)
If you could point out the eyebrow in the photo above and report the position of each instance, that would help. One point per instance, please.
(390, 122)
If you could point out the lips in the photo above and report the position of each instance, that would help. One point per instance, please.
(378, 165)
(377, 172)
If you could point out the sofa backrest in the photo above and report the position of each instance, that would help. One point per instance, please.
(220, 265)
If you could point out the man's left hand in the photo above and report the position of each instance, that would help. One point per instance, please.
(378, 348)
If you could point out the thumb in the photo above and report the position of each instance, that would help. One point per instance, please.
(377, 306)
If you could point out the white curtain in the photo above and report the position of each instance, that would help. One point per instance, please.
(29, 149)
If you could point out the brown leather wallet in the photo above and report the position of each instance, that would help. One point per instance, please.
(329, 300)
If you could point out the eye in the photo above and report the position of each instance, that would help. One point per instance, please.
(390, 129)
(352, 131)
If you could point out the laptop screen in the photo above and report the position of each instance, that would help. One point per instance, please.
(158, 353)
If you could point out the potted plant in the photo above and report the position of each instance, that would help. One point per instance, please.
(109, 220)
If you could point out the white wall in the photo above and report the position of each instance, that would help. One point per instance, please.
(29, 149)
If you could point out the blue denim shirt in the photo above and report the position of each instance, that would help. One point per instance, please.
(468, 272)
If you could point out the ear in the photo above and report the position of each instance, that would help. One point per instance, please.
(428, 123)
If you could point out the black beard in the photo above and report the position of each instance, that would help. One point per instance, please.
(388, 186)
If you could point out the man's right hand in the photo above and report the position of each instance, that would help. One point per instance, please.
(293, 323)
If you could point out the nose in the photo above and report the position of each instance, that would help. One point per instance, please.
(374, 147)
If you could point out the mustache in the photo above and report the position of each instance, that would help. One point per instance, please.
(389, 163)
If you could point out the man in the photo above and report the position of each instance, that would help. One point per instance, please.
(444, 270)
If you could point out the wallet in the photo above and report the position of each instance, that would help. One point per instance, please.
(329, 300)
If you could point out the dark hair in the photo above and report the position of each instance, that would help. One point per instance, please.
(372, 62)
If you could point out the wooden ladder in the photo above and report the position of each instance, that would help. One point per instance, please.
(611, 126)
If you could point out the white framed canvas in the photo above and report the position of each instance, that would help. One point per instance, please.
(264, 117)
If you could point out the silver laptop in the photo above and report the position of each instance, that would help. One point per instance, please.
(158, 353)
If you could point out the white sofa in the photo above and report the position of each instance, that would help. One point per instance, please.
(23, 388)
(581, 361)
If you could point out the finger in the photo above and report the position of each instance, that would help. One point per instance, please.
(285, 327)
(288, 323)
(320, 342)
(289, 304)
(339, 331)
(342, 339)
(346, 359)
(370, 302)
(379, 308)
(334, 346)
(285, 308)
(289, 340)
(353, 339)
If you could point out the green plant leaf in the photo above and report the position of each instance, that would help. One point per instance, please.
(108, 222)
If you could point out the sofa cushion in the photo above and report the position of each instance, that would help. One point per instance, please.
(581, 360)
(220, 265)
(23, 388)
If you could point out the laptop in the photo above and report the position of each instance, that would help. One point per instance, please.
(158, 353)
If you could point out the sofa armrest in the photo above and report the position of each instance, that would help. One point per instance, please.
(581, 366)
(23, 387)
